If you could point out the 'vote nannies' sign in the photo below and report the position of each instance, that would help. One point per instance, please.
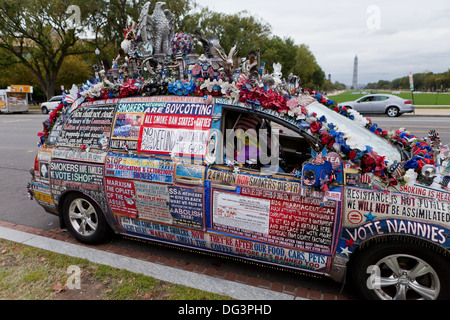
(360, 203)
(371, 213)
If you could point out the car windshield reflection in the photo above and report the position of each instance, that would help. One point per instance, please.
(356, 135)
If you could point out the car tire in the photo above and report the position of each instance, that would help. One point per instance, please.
(393, 112)
(85, 220)
(400, 271)
(44, 110)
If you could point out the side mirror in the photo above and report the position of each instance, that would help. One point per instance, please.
(213, 144)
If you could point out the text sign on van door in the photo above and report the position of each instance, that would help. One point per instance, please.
(279, 218)
(174, 134)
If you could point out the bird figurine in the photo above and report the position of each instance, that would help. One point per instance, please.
(158, 28)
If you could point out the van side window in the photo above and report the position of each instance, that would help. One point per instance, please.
(254, 142)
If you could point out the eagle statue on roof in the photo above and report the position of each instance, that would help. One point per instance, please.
(158, 28)
(213, 50)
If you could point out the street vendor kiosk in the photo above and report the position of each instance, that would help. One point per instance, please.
(15, 99)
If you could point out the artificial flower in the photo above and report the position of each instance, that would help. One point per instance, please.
(315, 127)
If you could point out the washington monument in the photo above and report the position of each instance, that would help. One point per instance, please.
(355, 74)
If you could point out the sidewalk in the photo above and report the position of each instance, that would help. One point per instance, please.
(215, 280)
(430, 111)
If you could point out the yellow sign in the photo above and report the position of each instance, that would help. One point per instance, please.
(20, 88)
(2, 101)
(43, 197)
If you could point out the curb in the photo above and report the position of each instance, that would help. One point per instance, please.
(237, 286)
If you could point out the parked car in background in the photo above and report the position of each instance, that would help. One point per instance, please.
(51, 104)
(389, 104)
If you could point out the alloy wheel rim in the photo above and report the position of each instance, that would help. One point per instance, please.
(393, 112)
(405, 277)
(83, 217)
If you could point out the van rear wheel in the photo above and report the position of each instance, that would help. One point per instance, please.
(85, 220)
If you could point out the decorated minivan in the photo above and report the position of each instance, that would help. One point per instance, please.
(216, 153)
(157, 168)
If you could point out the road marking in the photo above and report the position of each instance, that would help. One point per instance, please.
(11, 121)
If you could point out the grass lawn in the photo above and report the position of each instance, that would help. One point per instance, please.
(27, 273)
(419, 98)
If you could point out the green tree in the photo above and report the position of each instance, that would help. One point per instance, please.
(241, 28)
(277, 50)
(74, 70)
(40, 34)
(306, 67)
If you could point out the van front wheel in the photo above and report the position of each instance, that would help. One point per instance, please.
(85, 220)
(401, 271)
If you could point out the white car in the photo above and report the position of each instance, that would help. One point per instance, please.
(389, 104)
(51, 104)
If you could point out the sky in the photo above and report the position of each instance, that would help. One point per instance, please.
(390, 37)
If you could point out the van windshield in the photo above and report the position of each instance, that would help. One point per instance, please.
(358, 136)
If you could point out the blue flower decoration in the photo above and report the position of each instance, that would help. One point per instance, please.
(179, 88)
(345, 149)
(411, 164)
(189, 87)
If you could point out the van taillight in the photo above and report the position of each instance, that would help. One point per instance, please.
(408, 102)
(36, 164)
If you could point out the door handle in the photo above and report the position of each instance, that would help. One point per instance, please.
(223, 186)
(189, 182)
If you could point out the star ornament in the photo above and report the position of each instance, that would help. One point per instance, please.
(345, 251)
(349, 243)
(369, 217)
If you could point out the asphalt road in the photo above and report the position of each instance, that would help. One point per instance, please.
(419, 126)
(18, 147)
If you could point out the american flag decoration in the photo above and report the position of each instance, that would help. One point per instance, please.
(435, 140)
(72, 96)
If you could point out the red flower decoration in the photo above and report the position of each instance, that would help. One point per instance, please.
(315, 127)
(368, 161)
